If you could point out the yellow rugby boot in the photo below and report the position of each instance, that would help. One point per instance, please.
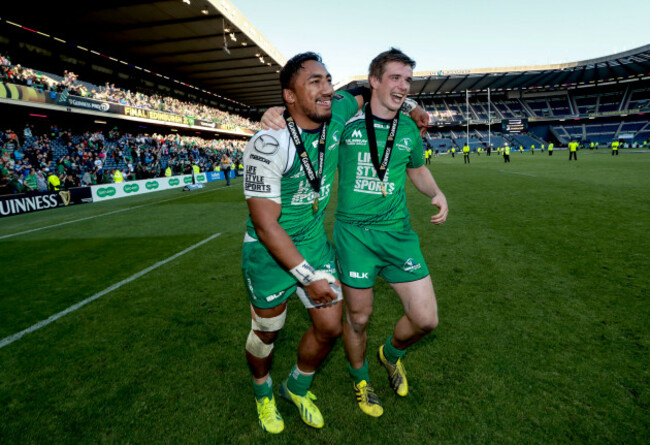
(309, 413)
(367, 399)
(396, 374)
(270, 418)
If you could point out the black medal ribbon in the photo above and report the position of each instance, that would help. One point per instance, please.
(382, 167)
(313, 177)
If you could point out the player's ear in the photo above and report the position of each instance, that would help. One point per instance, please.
(374, 82)
(289, 96)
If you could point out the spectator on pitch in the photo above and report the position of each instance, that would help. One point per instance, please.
(226, 165)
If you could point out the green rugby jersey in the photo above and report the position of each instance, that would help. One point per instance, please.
(360, 200)
(273, 170)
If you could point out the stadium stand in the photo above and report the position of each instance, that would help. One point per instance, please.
(89, 158)
(598, 100)
(71, 85)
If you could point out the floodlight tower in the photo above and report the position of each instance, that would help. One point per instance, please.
(467, 120)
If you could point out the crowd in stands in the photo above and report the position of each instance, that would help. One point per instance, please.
(70, 84)
(90, 158)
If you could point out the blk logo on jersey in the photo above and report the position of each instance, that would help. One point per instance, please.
(360, 275)
(275, 296)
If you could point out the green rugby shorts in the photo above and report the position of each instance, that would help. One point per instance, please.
(362, 254)
(269, 284)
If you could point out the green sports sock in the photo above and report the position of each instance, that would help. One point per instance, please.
(263, 390)
(391, 353)
(359, 374)
(299, 383)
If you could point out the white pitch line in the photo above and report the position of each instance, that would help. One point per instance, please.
(12, 338)
(97, 216)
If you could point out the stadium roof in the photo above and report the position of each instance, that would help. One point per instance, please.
(627, 66)
(181, 39)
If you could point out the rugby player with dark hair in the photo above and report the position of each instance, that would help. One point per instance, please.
(373, 236)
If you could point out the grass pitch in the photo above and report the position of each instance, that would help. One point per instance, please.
(541, 275)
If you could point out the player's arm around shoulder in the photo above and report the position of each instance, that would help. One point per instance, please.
(418, 115)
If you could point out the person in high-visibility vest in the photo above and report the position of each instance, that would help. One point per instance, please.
(466, 154)
(573, 150)
(427, 156)
(591, 145)
(453, 152)
(550, 149)
(195, 169)
(532, 149)
(53, 182)
(506, 153)
(615, 145)
(168, 172)
(521, 149)
(117, 176)
(543, 146)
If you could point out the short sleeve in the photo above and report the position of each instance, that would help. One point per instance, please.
(264, 165)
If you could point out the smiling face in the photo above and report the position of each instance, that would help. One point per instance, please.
(389, 92)
(309, 99)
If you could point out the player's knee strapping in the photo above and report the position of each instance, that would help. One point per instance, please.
(254, 345)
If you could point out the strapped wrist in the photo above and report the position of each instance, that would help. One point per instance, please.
(304, 273)
(408, 105)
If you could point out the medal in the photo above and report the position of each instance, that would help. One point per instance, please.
(314, 205)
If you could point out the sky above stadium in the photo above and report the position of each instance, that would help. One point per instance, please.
(444, 35)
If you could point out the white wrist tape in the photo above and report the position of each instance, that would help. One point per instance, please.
(306, 275)
(409, 105)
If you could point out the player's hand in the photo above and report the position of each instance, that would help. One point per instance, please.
(273, 119)
(321, 292)
(421, 119)
(440, 201)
